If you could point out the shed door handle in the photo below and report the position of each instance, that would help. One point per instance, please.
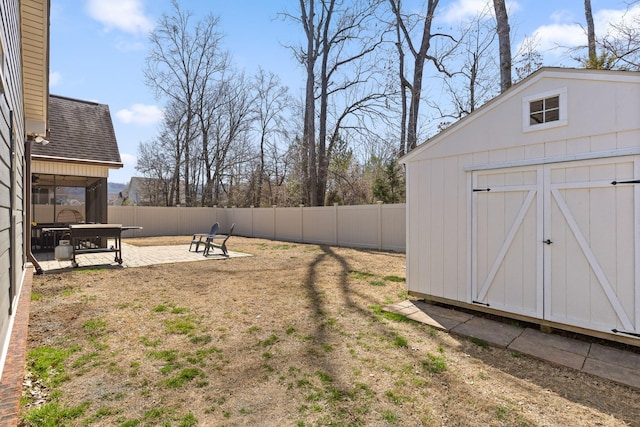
(548, 241)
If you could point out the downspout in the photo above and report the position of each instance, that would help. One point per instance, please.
(27, 198)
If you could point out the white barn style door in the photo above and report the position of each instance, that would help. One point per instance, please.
(560, 242)
(591, 266)
(507, 226)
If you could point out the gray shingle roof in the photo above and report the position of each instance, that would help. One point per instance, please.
(80, 130)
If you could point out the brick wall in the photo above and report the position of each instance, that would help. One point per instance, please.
(13, 373)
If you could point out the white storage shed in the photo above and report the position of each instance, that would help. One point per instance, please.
(530, 206)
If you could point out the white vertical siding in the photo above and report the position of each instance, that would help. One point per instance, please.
(440, 221)
(418, 226)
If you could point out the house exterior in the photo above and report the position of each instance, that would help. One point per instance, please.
(24, 69)
(69, 173)
(143, 191)
(530, 206)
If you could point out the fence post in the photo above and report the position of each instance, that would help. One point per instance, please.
(379, 224)
(233, 214)
(301, 223)
(274, 222)
(252, 212)
(135, 215)
(337, 235)
(179, 212)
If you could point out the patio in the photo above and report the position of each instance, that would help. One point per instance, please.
(133, 256)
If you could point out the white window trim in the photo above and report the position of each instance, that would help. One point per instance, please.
(562, 121)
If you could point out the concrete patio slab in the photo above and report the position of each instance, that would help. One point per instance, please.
(437, 317)
(495, 333)
(615, 355)
(612, 371)
(444, 313)
(611, 363)
(133, 256)
(552, 348)
(615, 364)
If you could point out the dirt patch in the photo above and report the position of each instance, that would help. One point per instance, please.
(294, 335)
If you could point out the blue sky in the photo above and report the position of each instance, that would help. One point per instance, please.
(98, 48)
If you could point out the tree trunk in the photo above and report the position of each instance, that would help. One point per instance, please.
(418, 72)
(504, 43)
(260, 182)
(323, 160)
(309, 133)
(591, 35)
(420, 56)
(403, 86)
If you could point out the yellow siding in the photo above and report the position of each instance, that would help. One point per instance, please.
(60, 168)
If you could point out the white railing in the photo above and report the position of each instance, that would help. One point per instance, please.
(376, 226)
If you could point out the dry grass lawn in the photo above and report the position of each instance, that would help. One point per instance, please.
(293, 336)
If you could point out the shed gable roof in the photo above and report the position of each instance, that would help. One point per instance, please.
(480, 121)
(80, 131)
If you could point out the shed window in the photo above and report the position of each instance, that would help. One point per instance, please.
(544, 110)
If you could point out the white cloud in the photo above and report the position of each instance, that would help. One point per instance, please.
(566, 31)
(463, 10)
(554, 39)
(605, 17)
(125, 15)
(54, 78)
(140, 114)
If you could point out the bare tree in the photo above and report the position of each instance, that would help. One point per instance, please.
(504, 42)
(308, 57)
(420, 55)
(161, 159)
(340, 36)
(179, 67)
(527, 60)
(271, 101)
(228, 133)
(475, 82)
(621, 45)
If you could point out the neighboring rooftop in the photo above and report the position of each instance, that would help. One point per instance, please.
(79, 131)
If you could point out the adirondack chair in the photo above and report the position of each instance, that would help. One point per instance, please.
(212, 243)
(202, 238)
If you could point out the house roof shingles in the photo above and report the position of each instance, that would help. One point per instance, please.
(80, 131)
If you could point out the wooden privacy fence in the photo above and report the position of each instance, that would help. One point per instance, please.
(376, 226)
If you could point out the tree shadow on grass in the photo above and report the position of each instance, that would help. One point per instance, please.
(595, 397)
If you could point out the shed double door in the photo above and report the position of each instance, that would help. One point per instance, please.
(560, 242)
